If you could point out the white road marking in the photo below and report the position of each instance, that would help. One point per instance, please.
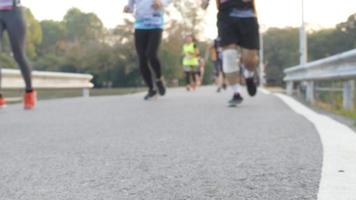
(338, 180)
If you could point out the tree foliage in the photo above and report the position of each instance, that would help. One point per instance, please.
(81, 43)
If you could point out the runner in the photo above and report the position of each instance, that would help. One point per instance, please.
(239, 31)
(217, 59)
(190, 62)
(148, 35)
(11, 19)
(199, 75)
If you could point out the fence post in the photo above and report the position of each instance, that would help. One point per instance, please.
(86, 92)
(349, 95)
(310, 96)
(290, 88)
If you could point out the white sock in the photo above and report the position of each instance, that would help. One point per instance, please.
(248, 73)
(236, 88)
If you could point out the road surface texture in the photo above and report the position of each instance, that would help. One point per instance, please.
(186, 146)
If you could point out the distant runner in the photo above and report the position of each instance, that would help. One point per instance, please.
(238, 28)
(148, 35)
(190, 62)
(217, 59)
(200, 72)
(12, 21)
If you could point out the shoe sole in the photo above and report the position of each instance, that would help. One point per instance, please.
(235, 104)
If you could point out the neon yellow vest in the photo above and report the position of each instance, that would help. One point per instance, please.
(190, 59)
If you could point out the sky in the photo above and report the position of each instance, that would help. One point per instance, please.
(272, 13)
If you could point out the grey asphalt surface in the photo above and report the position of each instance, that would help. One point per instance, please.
(186, 146)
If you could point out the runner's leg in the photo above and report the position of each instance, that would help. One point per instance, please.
(16, 28)
(141, 43)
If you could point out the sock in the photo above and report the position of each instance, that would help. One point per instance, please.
(236, 88)
(248, 73)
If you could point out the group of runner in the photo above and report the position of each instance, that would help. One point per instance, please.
(236, 49)
(237, 46)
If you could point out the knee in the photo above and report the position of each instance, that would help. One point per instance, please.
(151, 55)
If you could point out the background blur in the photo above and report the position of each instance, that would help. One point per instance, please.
(96, 37)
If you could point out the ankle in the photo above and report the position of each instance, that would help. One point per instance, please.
(29, 90)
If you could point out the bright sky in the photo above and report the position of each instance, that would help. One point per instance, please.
(272, 13)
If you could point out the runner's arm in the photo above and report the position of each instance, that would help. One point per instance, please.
(130, 6)
(204, 4)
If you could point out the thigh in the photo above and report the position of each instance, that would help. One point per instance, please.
(141, 41)
(227, 31)
(248, 33)
(154, 40)
(16, 27)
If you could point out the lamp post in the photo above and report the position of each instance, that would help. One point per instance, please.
(303, 40)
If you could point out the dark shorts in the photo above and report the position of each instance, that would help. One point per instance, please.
(243, 32)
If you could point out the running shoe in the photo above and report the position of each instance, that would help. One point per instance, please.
(161, 87)
(2, 102)
(224, 86)
(251, 86)
(30, 100)
(236, 100)
(152, 94)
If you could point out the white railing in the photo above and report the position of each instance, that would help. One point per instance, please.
(340, 67)
(12, 79)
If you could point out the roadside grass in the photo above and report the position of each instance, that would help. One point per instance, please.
(333, 102)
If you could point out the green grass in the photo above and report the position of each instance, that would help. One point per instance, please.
(332, 102)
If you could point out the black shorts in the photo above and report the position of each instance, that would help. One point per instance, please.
(243, 32)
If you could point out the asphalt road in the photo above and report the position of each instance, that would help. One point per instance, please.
(186, 146)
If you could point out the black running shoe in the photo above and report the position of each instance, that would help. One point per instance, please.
(236, 100)
(224, 86)
(161, 87)
(251, 86)
(152, 94)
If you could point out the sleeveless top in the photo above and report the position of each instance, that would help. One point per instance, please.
(9, 4)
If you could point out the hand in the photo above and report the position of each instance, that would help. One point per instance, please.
(204, 4)
(127, 9)
(157, 5)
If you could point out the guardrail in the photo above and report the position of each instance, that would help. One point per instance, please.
(340, 67)
(12, 79)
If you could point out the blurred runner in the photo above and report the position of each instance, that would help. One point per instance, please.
(148, 35)
(217, 59)
(12, 21)
(190, 62)
(239, 32)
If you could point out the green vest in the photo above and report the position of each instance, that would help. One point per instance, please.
(190, 59)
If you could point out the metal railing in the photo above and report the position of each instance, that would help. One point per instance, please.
(12, 79)
(340, 67)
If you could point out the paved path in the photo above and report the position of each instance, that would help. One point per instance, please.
(182, 147)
